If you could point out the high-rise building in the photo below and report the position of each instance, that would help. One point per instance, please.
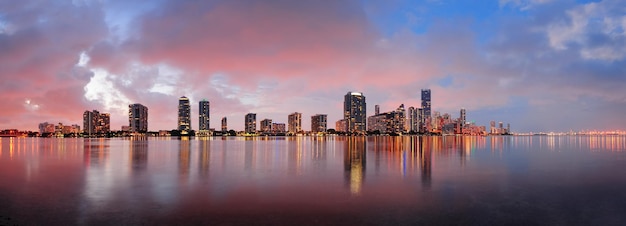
(426, 102)
(354, 112)
(294, 122)
(376, 109)
(250, 122)
(492, 127)
(266, 125)
(224, 124)
(413, 119)
(341, 125)
(95, 122)
(462, 119)
(184, 114)
(388, 122)
(138, 118)
(318, 123)
(204, 119)
(278, 127)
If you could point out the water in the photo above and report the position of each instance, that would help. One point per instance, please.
(538, 180)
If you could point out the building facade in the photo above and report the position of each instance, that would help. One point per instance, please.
(354, 112)
(294, 122)
(319, 123)
(224, 124)
(278, 127)
(426, 106)
(184, 115)
(266, 125)
(341, 125)
(95, 122)
(138, 118)
(204, 118)
(250, 123)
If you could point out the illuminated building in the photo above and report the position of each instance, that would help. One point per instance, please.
(138, 118)
(204, 118)
(388, 122)
(341, 125)
(294, 122)
(46, 127)
(184, 115)
(224, 124)
(250, 123)
(426, 104)
(318, 123)
(95, 122)
(462, 118)
(413, 119)
(266, 125)
(354, 112)
(278, 127)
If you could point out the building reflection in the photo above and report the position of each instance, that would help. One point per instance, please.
(249, 147)
(426, 160)
(96, 152)
(354, 163)
(138, 153)
(184, 156)
(204, 157)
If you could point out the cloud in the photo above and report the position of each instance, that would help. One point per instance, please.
(597, 30)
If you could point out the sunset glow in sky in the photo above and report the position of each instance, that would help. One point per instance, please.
(540, 65)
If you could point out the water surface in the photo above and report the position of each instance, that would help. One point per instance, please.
(525, 180)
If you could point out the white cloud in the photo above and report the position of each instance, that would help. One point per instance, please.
(597, 27)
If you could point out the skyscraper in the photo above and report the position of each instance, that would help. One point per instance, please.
(204, 117)
(294, 122)
(354, 110)
(138, 118)
(413, 120)
(318, 123)
(266, 125)
(376, 109)
(462, 118)
(224, 124)
(95, 122)
(184, 114)
(250, 123)
(426, 102)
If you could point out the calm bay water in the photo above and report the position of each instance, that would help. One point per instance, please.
(526, 180)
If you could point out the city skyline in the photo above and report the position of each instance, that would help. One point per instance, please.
(538, 65)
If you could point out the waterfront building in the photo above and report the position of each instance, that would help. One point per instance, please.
(224, 124)
(95, 122)
(462, 118)
(413, 119)
(354, 112)
(341, 125)
(46, 127)
(318, 123)
(388, 122)
(294, 122)
(266, 125)
(138, 118)
(204, 118)
(278, 127)
(426, 102)
(184, 115)
(376, 109)
(250, 123)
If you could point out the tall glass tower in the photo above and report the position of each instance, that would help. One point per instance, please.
(426, 102)
(138, 118)
(184, 114)
(203, 115)
(354, 110)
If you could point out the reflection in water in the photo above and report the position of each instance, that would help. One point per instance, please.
(354, 163)
(205, 155)
(138, 151)
(96, 152)
(249, 147)
(184, 156)
(425, 156)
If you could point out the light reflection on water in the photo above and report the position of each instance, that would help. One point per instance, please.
(283, 180)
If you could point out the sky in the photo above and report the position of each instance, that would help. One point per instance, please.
(540, 65)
